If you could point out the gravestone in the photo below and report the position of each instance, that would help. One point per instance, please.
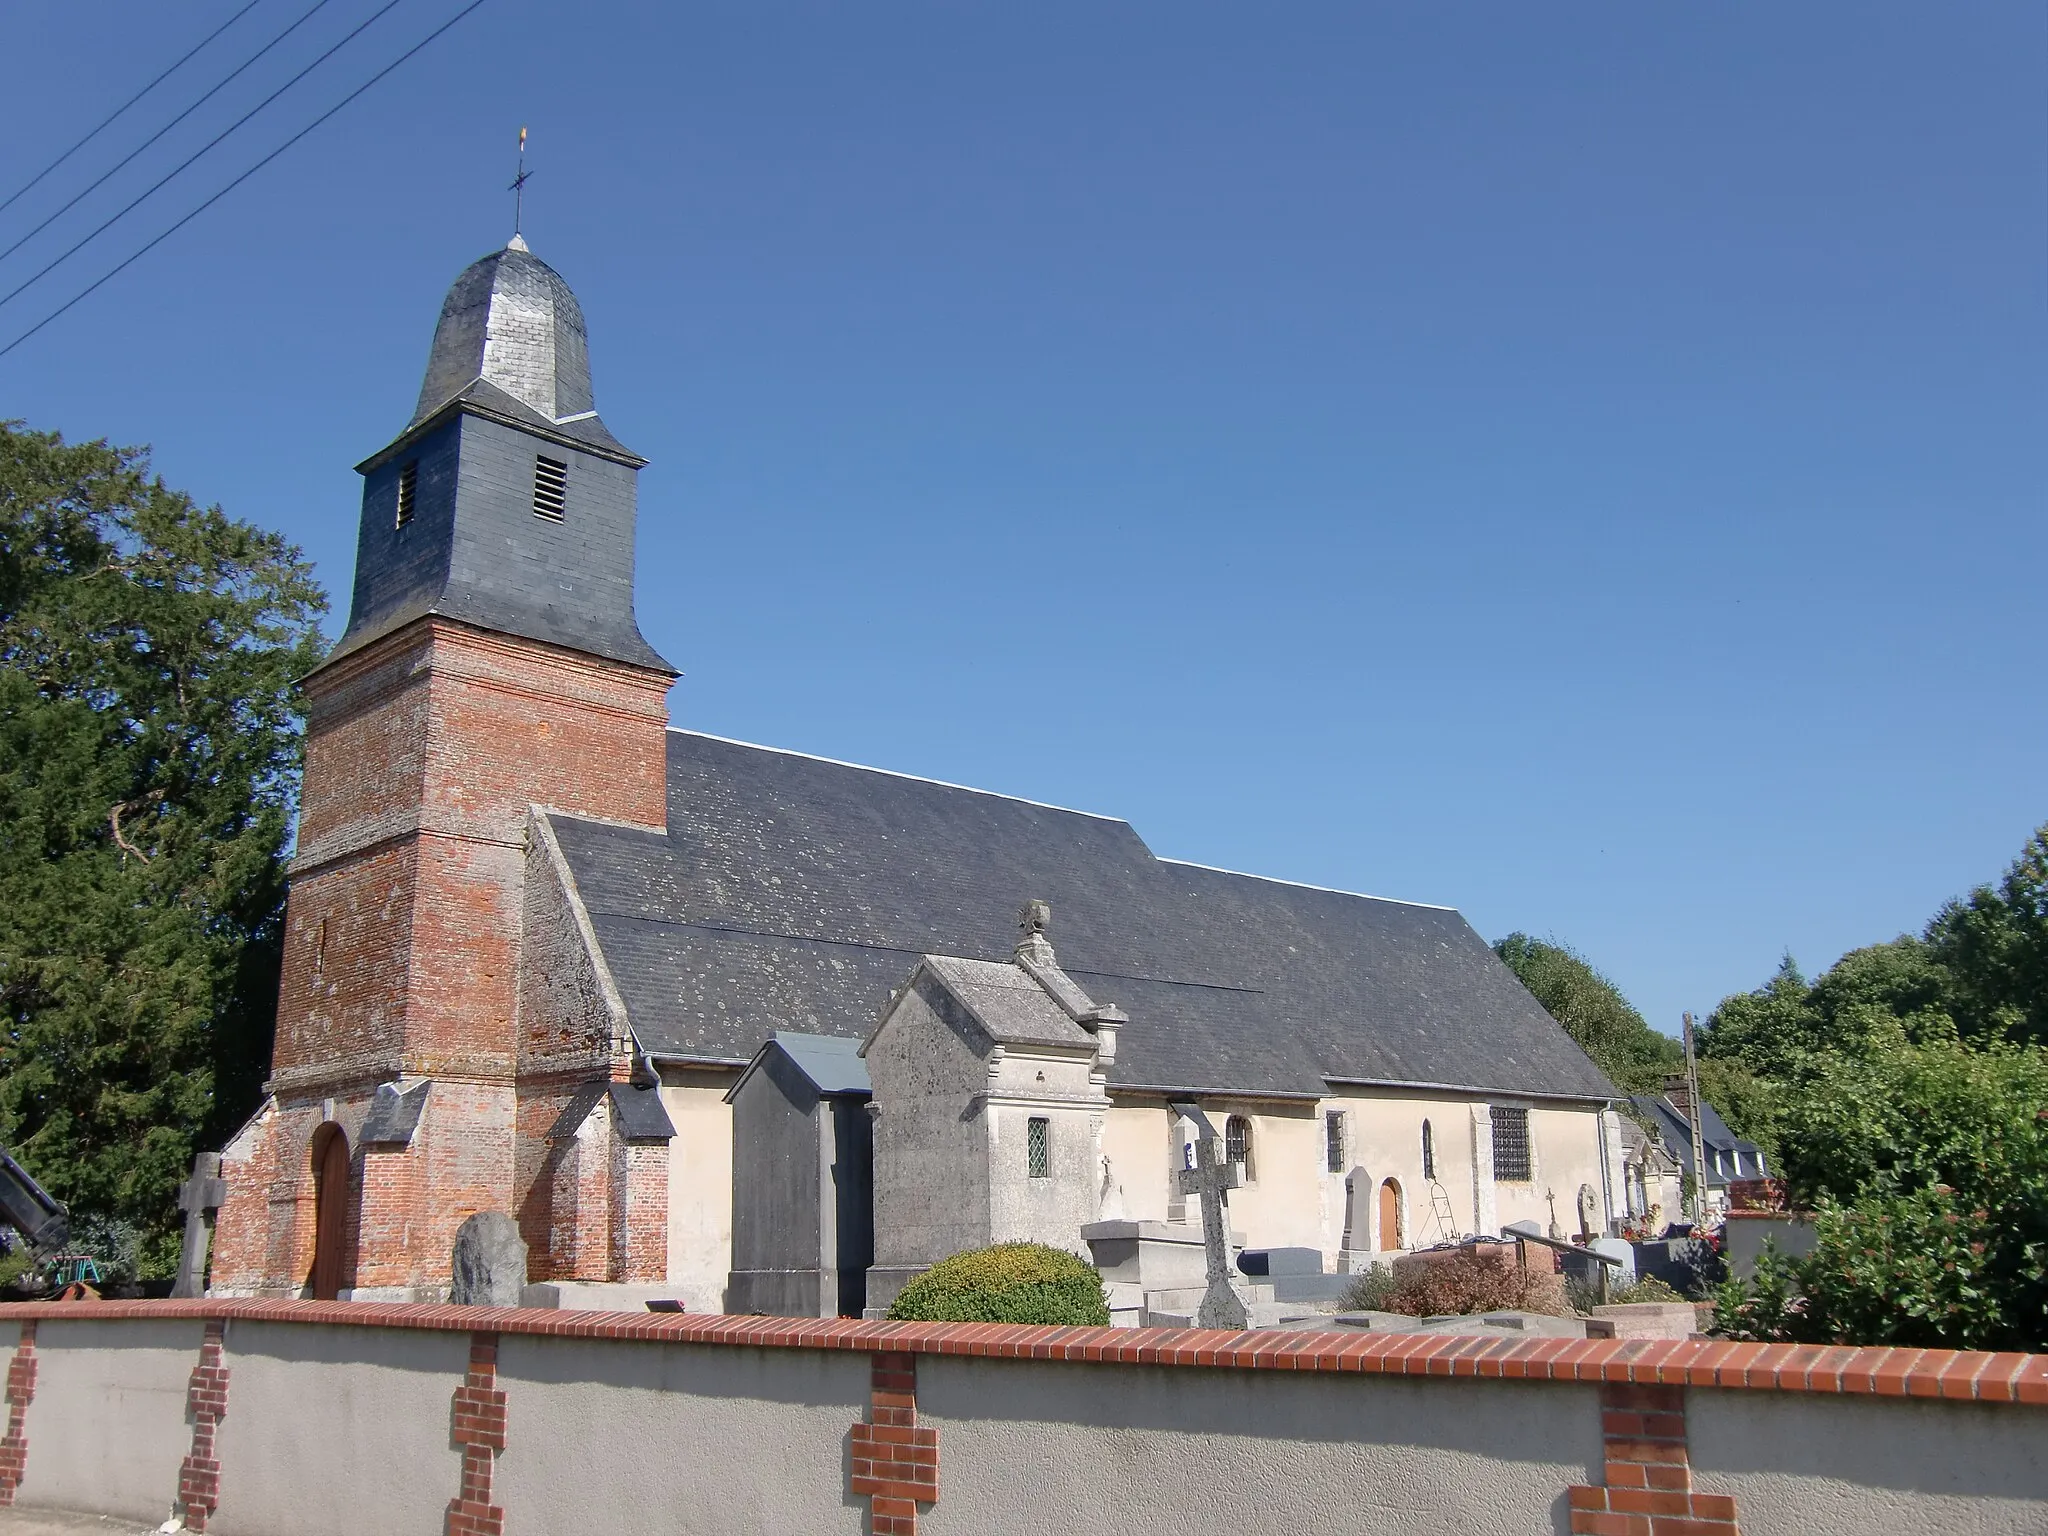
(1589, 1208)
(489, 1262)
(1212, 1178)
(198, 1197)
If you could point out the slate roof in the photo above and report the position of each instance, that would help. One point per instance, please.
(833, 1064)
(511, 323)
(795, 893)
(1714, 1131)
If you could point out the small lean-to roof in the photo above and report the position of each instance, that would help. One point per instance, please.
(832, 1063)
(792, 892)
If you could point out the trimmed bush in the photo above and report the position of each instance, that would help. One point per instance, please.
(1459, 1282)
(1009, 1283)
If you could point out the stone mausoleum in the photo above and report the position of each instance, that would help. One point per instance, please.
(536, 935)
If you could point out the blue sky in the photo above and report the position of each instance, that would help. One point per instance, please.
(1582, 465)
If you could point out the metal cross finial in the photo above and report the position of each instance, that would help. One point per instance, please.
(518, 187)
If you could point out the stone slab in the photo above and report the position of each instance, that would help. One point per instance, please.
(596, 1296)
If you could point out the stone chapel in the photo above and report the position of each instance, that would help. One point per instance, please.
(536, 937)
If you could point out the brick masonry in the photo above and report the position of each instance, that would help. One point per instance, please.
(1646, 1487)
(895, 1463)
(478, 1416)
(21, 1391)
(206, 1400)
(426, 751)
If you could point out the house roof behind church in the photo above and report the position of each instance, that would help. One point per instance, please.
(791, 892)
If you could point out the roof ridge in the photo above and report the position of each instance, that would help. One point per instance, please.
(896, 773)
(1331, 890)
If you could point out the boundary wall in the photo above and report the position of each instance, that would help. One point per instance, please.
(295, 1418)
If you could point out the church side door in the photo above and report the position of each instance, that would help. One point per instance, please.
(330, 1210)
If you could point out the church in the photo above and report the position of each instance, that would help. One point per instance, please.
(542, 946)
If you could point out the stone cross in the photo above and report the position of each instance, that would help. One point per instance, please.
(198, 1197)
(1212, 1178)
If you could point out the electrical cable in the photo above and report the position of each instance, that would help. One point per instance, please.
(159, 80)
(224, 191)
(204, 149)
(167, 127)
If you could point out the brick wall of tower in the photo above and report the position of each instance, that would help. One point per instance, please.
(426, 750)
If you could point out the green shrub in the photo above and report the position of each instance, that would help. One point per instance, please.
(1584, 1298)
(1372, 1291)
(1009, 1283)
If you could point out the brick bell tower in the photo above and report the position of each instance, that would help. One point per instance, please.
(492, 663)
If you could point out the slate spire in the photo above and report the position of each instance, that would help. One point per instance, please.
(506, 503)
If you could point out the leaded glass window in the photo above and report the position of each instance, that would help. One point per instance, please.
(1511, 1145)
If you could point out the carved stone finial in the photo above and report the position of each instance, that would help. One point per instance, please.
(1034, 920)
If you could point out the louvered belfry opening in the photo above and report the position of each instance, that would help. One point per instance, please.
(408, 487)
(550, 488)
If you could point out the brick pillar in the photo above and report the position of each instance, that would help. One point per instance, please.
(895, 1464)
(1648, 1478)
(479, 1433)
(21, 1389)
(206, 1399)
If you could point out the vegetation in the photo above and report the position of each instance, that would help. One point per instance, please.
(1458, 1282)
(149, 755)
(1904, 1098)
(1635, 1057)
(1009, 1283)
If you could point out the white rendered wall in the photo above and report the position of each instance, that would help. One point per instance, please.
(337, 1431)
(1804, 1464)
(1050, 1450)
(1134, 1139)
(700, 1187)
(107, 1429)
(636, 1439)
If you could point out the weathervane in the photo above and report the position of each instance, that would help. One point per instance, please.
(518, 187)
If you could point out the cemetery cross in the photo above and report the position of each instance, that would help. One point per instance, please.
(198, 1197)
(1212, 1177)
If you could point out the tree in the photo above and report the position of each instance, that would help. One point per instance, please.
(1926, 1164)
(149, 753)
(1993, 946)
(1593, 1012)
(1764, 1030)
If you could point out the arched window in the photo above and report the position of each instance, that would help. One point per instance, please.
(1428, 1153)
(1237, 1146)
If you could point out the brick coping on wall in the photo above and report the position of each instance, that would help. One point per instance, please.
(1849, 1370)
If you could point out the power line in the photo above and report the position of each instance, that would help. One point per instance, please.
(204, 149)
(224, 191)
(167, 127)
(159, 80)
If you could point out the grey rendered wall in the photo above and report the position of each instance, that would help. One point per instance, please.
(1803, 1464)
(337, 1431)
(931, 1140)
(1050, 1450)
(107, 1427)
(636, 1439)
(775, 1212)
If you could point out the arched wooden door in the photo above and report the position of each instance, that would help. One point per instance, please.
(1391, 1235)
(330, 1210)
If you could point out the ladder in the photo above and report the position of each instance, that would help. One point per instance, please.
(1441, 1216)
